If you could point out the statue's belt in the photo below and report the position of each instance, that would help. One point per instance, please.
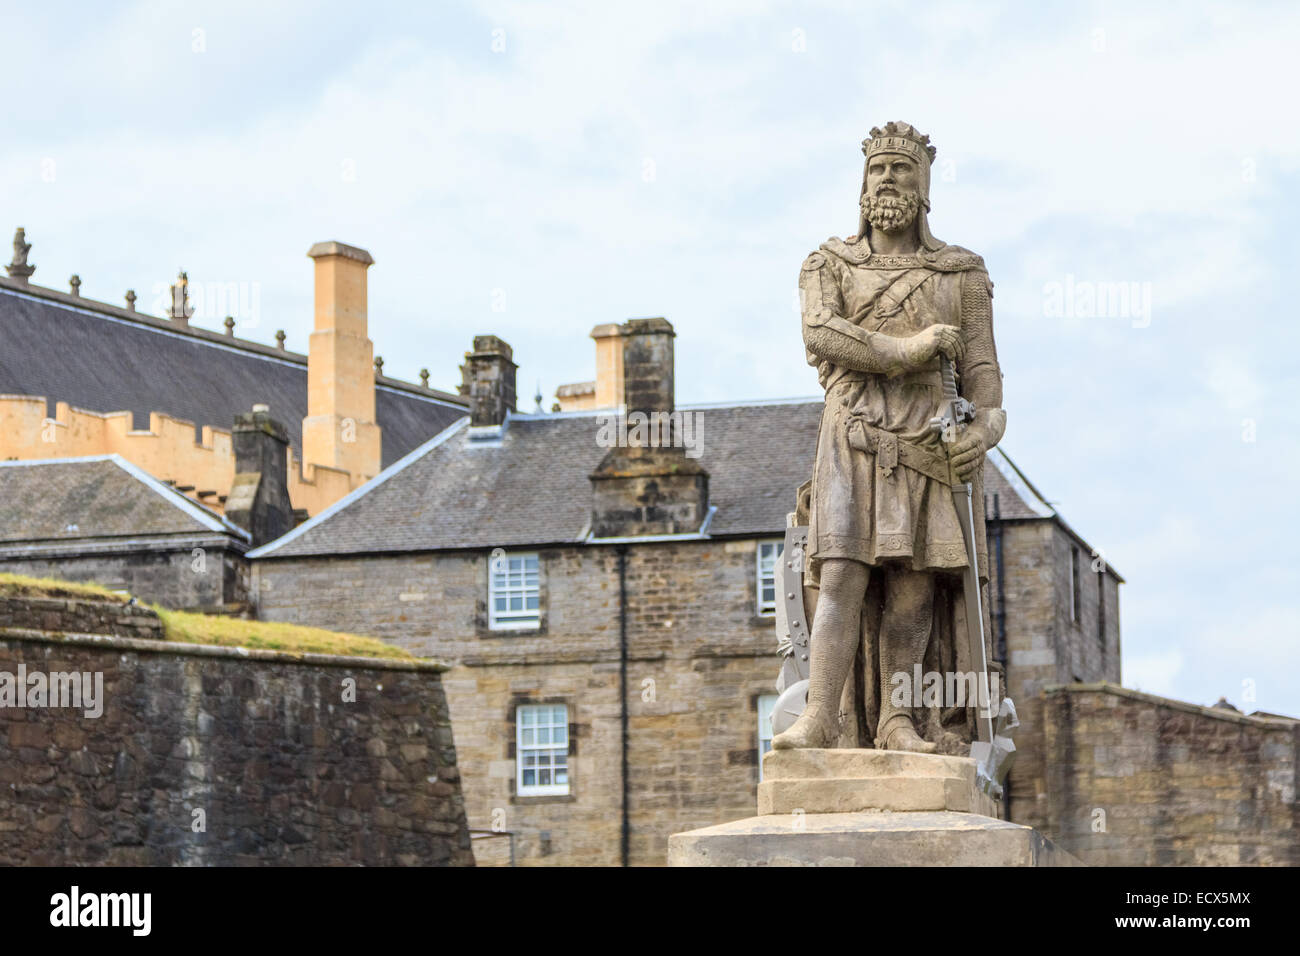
(892, 451)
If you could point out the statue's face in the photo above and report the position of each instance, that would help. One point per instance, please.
(891, 174)
(893, 195)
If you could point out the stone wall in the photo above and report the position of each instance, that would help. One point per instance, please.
(198, 573)
(79, 616)
(1045, 645)
(699, 657)
(283, 768)
(1139, 780)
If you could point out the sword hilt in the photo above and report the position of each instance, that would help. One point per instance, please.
(949, 378)
(955, 410)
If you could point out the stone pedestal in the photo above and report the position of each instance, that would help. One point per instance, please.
(867, 808)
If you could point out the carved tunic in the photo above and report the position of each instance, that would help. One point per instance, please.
(879, 488)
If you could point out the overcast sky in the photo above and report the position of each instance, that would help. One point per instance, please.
(533, 170)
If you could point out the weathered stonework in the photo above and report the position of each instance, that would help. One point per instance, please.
(197, 573)
(699, 657)
(77, 616)
(1044, 644)
(488, 381)
(1132, 779)
(283, 768)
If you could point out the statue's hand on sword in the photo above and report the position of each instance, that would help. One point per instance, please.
(920, 349)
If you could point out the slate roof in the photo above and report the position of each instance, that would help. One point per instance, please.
(532, 487)
(104, 359)
(102, 496)
(1017, 498)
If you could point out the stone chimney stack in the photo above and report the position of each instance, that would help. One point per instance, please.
(339, 430)
(609, 365)
(259, 498)
(650, 481)
(488, 380)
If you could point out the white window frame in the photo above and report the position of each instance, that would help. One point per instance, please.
(545, 718)
(775, 548)
(766, 704)
(508, 576)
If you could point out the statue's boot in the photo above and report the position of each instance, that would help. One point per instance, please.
(904, 633)
(814, 729)
(903, 736)
(835, 635)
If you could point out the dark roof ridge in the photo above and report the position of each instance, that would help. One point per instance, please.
(207, 336)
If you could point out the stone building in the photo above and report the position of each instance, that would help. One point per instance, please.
(102, 519)
(80, 378)
(607, 598)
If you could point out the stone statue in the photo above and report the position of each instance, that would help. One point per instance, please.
(19, 268)
(890, 316)
(180, 309)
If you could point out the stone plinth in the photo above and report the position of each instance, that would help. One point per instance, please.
(867, 808)
(847, 781)
(918, 838)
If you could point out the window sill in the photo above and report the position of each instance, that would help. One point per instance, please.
(543, 798)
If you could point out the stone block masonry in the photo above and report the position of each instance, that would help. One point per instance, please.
(219, 756)
(1138, 780)
(699, 659)
(79, 616)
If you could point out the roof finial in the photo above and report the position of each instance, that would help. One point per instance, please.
(229, 324)
(424, 378)
(75, 282)
(279, 338)
(181, 310)
(130, 299)
(379, 365)
(19, 269)
(538, 397)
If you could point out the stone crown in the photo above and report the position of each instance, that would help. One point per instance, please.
(899, 138)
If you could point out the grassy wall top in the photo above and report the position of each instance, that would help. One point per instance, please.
(189, 628)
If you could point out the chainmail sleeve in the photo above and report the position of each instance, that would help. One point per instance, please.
(981, 377)
(831, 338)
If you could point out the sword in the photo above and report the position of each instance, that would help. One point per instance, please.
(994, 750)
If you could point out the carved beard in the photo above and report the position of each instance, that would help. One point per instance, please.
(890, 213)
